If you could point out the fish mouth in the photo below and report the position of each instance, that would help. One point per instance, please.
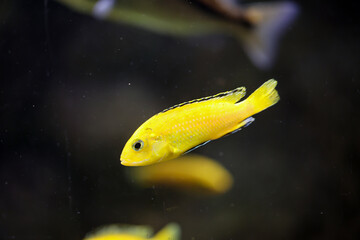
(130, 163)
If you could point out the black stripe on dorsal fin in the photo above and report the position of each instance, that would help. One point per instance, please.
(232, 96)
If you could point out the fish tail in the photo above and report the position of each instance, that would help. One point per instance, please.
(268, 22)
(171, 231)
(263, 97)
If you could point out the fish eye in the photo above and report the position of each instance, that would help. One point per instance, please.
(138, 145)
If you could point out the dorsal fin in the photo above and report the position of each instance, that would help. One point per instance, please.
(233, 96)
(118, 229)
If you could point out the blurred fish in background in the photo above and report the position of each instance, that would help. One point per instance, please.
(102, 8)
(190, 173)
(258, 26)
(132, 232)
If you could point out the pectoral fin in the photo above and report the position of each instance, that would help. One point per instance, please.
(159, 148)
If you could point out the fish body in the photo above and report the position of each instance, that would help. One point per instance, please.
(183, 127)
(192, 172)
(131, 232)
(258, 26)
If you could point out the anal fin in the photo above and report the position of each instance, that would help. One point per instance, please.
(197, 146)
(240, 126)
(237, 128)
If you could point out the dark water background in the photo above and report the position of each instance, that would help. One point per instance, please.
(73, 89)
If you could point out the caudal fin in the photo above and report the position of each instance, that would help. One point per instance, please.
(270, 20)
(102, 8)
(265, 96)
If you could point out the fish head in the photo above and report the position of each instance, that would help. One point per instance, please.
(145, 147)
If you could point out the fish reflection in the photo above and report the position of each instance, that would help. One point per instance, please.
(189, 125)
(191, 172)
(132, 232)
(258, 26)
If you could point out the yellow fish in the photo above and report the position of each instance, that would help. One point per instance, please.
(186, 126)
(190, 172)
(128, 232)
